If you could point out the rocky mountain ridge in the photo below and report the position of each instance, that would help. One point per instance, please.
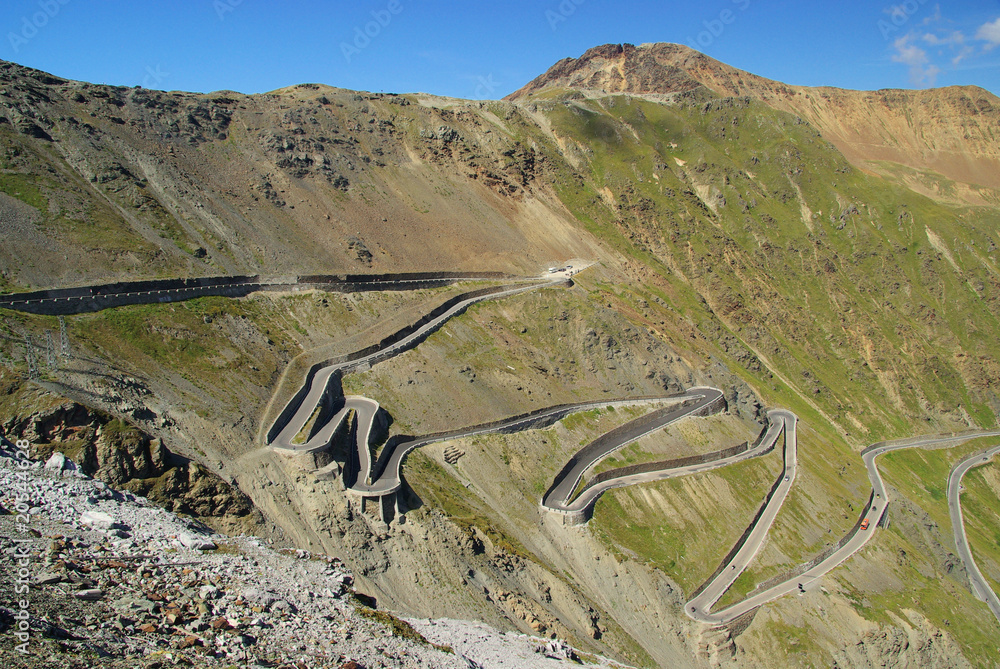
(947, 130)
(227, 184)
(734, 245)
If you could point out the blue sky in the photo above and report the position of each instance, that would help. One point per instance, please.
(486, 50)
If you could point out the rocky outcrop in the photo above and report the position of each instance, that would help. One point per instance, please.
(105, 448)
(908, 645)
(191, 489)
(121, 455)
(507, 169)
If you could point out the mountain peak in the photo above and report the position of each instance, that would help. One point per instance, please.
(945, 130)
(620, 68)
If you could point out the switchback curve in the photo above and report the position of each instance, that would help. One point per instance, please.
(385, 477)
(980, 586)
(855, 540)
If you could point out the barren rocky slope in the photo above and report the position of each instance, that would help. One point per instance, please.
(113, 182)
(736, 247)
(116, 582)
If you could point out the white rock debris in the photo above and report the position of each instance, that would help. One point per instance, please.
(118, 582)
(489, 648)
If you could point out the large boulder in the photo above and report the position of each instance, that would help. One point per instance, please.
(98, 520)
(60, 464)
(196, 542)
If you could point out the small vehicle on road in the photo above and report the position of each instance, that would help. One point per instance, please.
(864, 524)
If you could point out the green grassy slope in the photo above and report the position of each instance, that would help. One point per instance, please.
(869, 310)
(737, 239)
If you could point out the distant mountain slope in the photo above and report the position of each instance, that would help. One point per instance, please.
(734, 246)
(954, 131)
(101, 182)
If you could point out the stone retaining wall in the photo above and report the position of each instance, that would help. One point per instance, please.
(661, 465)
(65, 301)
(543, 418)
(746, 533)
(827, 552)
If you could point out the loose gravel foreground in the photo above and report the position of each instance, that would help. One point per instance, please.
(92, 577)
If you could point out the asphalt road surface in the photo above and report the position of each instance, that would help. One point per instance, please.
(589, 495)
(320, 381)
(980, 586)
(696, 608)
(384, 477)
(559, 494)
(388, 476)
(15, 300)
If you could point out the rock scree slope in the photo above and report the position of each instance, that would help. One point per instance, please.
(832, 252)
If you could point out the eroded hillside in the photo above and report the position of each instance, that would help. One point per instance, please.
(104, 182)
(736, 247)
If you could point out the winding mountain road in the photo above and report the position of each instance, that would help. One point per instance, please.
(320, 381)
(388, 479)
(384, 476)
(558, 496)
(980, 586)
(856, 539)
(782, 423)
(588, 496)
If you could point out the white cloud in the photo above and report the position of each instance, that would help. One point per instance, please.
(928, 75)
(921, 73)
(933, 18)
(907, 53)
(954, 37)
(929, 51)
(962, 55)
(990, 32)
